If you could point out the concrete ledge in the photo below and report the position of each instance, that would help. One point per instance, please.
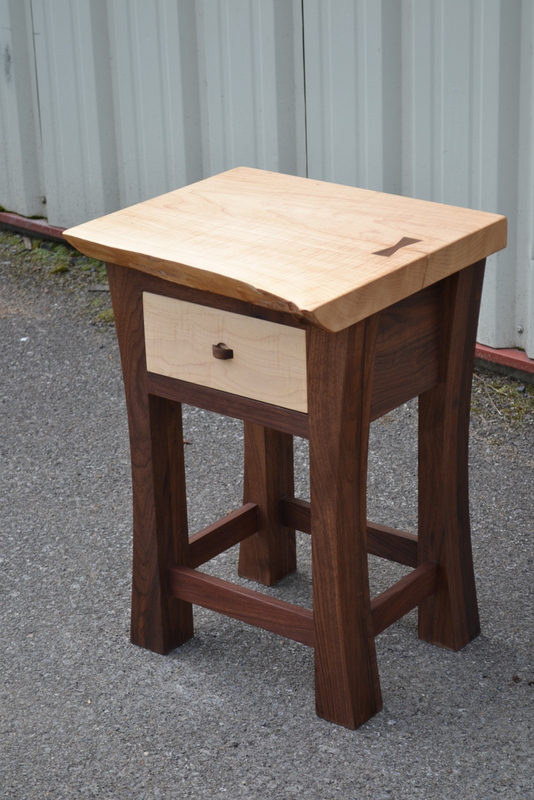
(509, 361)
(15, 222)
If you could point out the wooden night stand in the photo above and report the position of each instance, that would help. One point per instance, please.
(302, 308)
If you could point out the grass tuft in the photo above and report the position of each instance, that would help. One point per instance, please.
(106, 316)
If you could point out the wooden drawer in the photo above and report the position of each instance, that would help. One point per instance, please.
(268, 363)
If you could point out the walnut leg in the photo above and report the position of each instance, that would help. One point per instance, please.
(340, 372)
(158, 621)
(270, 554)
(450, 617)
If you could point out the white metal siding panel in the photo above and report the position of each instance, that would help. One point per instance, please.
(353, 92)
(524, 285)
(422, 98)
(20, 184)
(139, 97)
(498, 322)
(251, 85)
(75, 107)
(202, 87)
(460, 125)
(155, 80)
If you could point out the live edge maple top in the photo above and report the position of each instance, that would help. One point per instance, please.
(327, 253)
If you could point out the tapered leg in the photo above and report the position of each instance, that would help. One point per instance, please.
(158, 621)
(450, 617)
(340, 376)
(270, 554)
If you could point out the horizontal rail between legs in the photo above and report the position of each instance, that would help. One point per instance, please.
(394, 545)
(257, 609)
(404, 595)
(382, 541)
(286, 619)
(216, 538)
(231, 405)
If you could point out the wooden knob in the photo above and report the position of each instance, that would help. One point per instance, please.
(222, 351)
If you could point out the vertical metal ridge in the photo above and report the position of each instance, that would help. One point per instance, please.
(20, 147)
(304, 88)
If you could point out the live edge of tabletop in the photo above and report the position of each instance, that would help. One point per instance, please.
(326, 253)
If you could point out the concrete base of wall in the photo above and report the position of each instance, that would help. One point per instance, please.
(37, 227)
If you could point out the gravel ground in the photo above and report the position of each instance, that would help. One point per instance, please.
(83, 713)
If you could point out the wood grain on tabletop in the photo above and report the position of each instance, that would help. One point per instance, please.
(293, 244)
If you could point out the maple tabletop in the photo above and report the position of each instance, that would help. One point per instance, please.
(327, 253)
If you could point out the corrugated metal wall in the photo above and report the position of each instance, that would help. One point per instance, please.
(21, 185)
(107, 102)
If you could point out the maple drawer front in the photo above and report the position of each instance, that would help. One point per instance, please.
(260, 360)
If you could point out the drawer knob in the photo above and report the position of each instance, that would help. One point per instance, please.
(222, 351)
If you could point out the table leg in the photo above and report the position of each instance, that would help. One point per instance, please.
(340, 373)
(450, 617)
(158, 621)
(270, 554)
